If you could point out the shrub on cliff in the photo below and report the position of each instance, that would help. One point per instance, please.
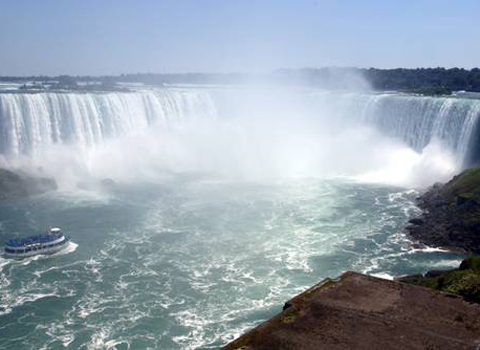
(464, 281)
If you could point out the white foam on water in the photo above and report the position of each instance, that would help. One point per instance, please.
(444, 264)
(99, 339)
(70, 248)
(4, 262)
(76, 198)
(385, 276)
(7, 306)
(94, 267)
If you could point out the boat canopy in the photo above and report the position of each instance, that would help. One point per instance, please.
(21, 242)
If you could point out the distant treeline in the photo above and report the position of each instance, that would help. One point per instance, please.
(424, 80)
(430, 81)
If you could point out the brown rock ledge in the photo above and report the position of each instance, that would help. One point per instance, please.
(363, 312)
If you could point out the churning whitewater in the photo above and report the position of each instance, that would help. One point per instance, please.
(221, 204)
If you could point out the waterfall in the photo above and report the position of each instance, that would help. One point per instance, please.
(31, 121)
(416, 120)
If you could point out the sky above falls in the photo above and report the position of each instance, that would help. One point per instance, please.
(123, 36)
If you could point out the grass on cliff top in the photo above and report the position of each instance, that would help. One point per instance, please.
(467, 184)
(464, 281)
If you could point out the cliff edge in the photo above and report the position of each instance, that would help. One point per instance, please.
(363, 312)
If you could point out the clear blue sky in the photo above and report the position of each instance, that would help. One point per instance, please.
(119, 36)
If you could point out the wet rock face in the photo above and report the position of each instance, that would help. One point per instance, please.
(451, 214)
(416, 221)
(15, 186)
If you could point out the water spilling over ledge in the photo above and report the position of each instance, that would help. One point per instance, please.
(31, 123)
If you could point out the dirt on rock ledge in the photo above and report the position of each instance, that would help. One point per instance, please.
(363, 312)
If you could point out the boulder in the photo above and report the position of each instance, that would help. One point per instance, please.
(416, 221)
(18, 185)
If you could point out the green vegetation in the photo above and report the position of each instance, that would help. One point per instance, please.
(467, 184)
(428, 81)
(464, 281)
(462, 196)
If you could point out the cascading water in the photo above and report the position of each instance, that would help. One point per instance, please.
(416, 120)
(32, 121)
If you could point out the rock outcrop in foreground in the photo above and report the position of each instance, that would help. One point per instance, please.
(15, 186)
(363, 312)
(451, 214)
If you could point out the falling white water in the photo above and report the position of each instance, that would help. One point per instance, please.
(239, 132)
(30, 122)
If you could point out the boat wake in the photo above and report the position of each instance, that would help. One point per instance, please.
(70, 248)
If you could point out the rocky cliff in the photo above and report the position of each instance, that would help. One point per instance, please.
(451, 214)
